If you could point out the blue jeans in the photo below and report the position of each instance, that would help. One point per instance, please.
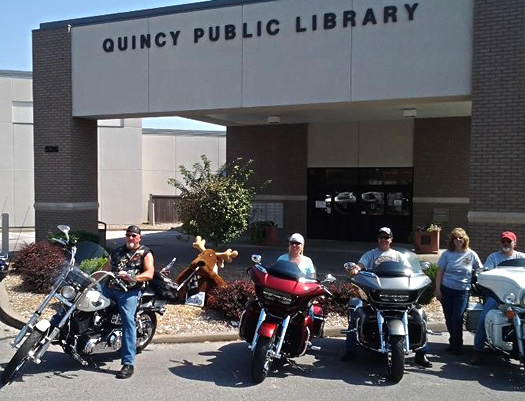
(481, 335)
(454, 303)
(127, 306)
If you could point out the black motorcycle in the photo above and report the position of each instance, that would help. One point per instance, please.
(388, 319)
(86, 323)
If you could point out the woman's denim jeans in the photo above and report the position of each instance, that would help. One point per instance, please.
(454, 303)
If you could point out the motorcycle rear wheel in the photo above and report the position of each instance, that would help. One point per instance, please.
(146, 330)
(21, 356)
(261, 360)
(396, 359)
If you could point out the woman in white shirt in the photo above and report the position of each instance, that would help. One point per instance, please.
(295, 255)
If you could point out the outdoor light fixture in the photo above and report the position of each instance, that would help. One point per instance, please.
(273, 120)
(409, 113)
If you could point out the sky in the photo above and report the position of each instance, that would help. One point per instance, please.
(19, 17)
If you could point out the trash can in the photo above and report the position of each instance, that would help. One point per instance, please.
(102, 228)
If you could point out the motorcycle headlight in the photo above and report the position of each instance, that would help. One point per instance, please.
(68, 292)
(509, 298)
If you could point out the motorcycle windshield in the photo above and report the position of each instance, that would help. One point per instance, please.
(89, 250)
(286, 270)
(512, 263)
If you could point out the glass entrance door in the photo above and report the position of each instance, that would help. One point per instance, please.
(353, 203)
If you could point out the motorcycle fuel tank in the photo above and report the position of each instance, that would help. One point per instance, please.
(93, 301)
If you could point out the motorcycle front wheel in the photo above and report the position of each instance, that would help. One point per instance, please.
(21, 356)
(396, 359)
(146, 327)
(262, 360)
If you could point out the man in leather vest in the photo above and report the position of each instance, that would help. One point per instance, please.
(133, 263)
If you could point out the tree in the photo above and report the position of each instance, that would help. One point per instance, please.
(216, 206)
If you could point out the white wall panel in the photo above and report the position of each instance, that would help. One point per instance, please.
(120, 199)
(23, 89)
(158, 152)
(296, 67)
(24, 198)
(196, 76)
(6, 141)
(23, 147)
(120, 149)
(6, 113)
(188, 150)
(108, 82)
(6, 192)
(23, 112)
(430, 56)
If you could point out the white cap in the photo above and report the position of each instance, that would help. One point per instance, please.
(386, 230)
(297, 238)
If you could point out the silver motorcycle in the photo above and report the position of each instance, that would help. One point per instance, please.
(86, 323)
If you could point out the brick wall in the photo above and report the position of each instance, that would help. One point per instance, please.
(67, 178)
(441, 169)
(497, 162)
(279, 152)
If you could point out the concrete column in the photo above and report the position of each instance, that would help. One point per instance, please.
(65, 148)
(497, 182)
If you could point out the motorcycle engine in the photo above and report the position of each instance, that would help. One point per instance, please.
(109, 343)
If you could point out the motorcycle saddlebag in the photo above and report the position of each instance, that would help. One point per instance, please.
(164, 287)
(471, 316)
(249, 319)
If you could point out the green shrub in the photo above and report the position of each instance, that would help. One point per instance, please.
(38, 264)
(90, 266)
(231, 299)
(428, 295)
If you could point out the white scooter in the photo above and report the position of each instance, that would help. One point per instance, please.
(505, 326)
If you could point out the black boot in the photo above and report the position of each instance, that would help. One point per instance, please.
(422, 360)
(125, 372)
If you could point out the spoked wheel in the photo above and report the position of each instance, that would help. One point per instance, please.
(262, 360)
(21, 356)
(396, 359)
(146, 327)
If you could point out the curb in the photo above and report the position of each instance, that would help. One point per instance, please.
(436, 327)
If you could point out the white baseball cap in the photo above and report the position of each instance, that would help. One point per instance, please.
(296, 238)
(386, 230)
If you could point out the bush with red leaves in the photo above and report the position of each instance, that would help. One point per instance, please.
(38, 265)
(231, 299)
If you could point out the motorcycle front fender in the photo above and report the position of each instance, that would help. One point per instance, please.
(267, 329)
(395, 328)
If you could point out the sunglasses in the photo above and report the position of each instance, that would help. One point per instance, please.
(506, 241)
(383, 237)
(458, 239)
(295, 243)
(132, 235)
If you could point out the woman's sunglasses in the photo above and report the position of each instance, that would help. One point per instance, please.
(295, 243)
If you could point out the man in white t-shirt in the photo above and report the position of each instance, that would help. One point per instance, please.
(369, 260)
(508, 242)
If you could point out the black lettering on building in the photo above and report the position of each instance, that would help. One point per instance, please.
(145, 41)
(198, 34)
(411, 9)
(314, 22)
(108, 45)
(214, 33)
(270, 29)
(122, 43)
(298, 27)
(369, 17)
(329, 21)
(229, 31)
(160, 39)
(245, 33)
(348, 18)
(390, 12)
(174, 37)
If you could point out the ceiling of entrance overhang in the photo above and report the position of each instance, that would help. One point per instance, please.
(334, 113)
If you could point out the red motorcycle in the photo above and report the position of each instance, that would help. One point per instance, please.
(279, 323)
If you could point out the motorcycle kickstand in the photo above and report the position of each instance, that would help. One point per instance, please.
(295, 364)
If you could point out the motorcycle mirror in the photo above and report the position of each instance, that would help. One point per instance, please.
(256, 259)
(329, 278)
(65, 229)
(425, 265)
(349, 265)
